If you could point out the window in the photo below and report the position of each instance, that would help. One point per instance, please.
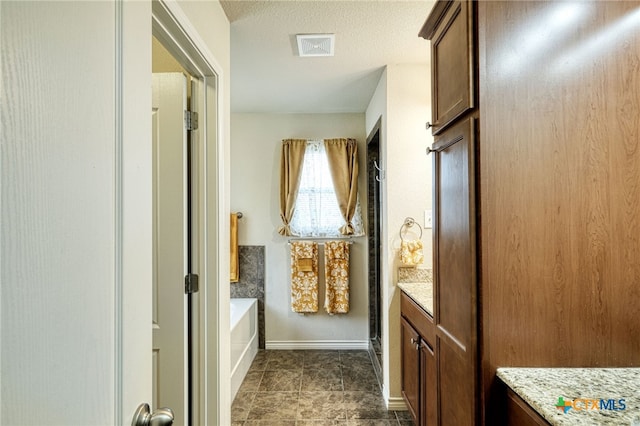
(316, 210)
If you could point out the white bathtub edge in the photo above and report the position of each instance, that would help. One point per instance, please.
(240, 372)
(241, 367)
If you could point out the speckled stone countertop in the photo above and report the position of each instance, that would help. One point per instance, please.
(421, 293)
(418, 284)
(541, 388)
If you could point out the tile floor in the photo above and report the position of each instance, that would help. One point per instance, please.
(312, 388)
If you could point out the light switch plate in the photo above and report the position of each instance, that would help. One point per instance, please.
(427, 219)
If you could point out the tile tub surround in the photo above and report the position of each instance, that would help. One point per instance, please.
(541, 388)
(251, 282)
(313, 387)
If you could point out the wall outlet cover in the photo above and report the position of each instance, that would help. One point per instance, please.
(427, 219)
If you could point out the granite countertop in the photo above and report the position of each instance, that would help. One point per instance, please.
(421, 293)
(541, 388)
(417, 283)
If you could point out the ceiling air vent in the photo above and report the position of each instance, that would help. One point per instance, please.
(315, 44)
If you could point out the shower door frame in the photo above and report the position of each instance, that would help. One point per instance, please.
(374, 219)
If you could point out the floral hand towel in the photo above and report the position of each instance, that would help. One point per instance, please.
(336, 269)
(304, 276)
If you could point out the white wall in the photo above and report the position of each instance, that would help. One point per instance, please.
(402, 99)
(409, 168)
(255, 182)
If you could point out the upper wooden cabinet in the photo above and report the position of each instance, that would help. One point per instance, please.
(450, 29)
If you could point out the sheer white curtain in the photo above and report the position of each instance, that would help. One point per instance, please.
(317, 213)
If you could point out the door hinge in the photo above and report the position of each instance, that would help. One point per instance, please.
(191, 120)
(191, 283)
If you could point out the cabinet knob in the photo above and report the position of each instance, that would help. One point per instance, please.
(429, 125)
(416, 342)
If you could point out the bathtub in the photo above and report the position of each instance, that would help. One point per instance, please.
(244, 339)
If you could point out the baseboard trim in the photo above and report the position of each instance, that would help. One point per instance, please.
(317, 344)
(396, 404)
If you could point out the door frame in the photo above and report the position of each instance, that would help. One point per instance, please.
(212, 396)
(111, 303)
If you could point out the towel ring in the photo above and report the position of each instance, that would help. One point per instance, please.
(409, 222)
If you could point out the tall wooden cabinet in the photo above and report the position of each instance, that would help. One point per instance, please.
(536, 193)
(452, 33)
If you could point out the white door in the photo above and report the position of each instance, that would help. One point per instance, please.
(170, 244)
(75, 212)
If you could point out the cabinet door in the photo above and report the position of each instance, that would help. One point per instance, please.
(411, 368)
(452, 59)
(455, 273)
(428, 386)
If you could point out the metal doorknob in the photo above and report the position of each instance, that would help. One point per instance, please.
(144, 416)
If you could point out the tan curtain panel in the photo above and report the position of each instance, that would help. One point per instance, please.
(290, 171)
(343, 163)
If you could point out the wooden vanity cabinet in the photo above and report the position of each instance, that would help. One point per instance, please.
(519, 413)
(411, 368)
(418, 363)
(428, 383)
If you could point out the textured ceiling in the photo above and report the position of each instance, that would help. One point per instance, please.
(268, 76)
